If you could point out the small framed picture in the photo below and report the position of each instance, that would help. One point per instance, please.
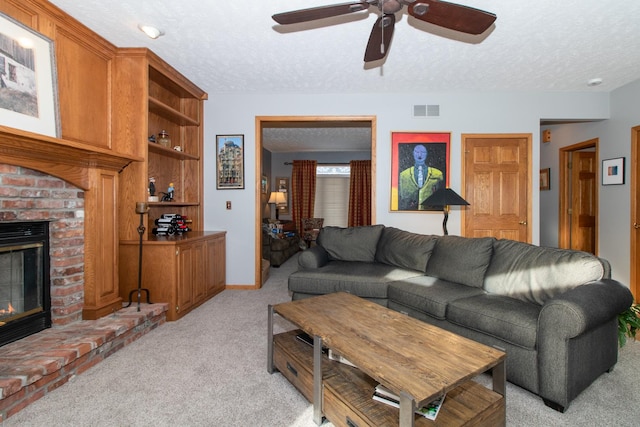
(230, 162)
(544, 179)
(264, 184)
(613, 171)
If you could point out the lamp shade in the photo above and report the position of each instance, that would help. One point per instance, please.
(277, 197)
(445, 197)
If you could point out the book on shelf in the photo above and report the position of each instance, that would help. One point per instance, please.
(429, 411)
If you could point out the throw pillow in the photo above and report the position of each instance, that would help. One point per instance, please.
(352, 243)
(404, 249)
(461, 259)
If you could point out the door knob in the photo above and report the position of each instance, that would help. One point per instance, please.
(636, 225)
(523, 222)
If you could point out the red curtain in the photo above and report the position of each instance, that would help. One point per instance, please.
(303, 190)
(360, 193)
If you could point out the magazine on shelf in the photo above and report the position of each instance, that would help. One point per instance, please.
(338, 358)
(429, 411)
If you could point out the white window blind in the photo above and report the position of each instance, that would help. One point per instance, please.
(332, 199)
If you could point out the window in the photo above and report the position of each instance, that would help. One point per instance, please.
(332, 195)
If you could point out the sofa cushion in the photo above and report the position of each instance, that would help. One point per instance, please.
(505, 318)
(461, 259)
(535, 274)
(404, 249)
(352, 243)
(429, 295)
(363, 279)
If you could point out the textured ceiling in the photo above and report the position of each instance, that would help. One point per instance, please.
(235, 46)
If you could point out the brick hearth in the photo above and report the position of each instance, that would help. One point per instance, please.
(34, 366)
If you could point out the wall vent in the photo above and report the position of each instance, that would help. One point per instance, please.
(426, 110)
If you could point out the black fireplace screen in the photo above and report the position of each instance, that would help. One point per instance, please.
(24, 279)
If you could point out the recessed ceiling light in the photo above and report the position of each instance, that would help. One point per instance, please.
(151, 31)
(594, 82)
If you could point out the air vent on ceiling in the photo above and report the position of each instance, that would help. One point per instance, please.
(426, 110)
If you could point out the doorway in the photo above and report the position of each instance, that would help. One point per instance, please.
(263, 122)
(635, 211)
(497, 183)
(578, 192)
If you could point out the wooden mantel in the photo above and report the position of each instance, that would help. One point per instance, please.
(64, 159)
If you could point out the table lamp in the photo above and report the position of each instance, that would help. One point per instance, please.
(277, 198)
(445, 197)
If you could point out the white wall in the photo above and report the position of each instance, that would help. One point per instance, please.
(459, 113)
(614, 200)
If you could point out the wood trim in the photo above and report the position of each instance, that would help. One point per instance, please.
(283, 120)
(635, 212)
(528, 137)
(564, 223)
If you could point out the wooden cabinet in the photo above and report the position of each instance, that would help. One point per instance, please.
(183, 271)
(151, 97)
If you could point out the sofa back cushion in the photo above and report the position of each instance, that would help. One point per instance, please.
(535, 274)
(352, 243)
(461, 259)
(404, 249)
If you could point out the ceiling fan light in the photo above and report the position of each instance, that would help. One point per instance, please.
(151, 31)
(420, 8)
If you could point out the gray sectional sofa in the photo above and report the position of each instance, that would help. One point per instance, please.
(553, 311)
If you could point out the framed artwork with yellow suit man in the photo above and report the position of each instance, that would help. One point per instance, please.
(419, 167)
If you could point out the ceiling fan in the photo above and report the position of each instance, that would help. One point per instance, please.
(448, 15)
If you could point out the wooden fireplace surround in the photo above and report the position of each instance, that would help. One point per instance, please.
(88, 154)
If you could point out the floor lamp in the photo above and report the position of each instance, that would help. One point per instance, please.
(277, 198)
(142, 209)
(444, 198)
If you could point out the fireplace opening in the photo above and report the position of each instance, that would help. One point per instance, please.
(25, 303)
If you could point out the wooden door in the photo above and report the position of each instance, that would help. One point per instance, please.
(583, 201)
(497, 185)
(635, 212)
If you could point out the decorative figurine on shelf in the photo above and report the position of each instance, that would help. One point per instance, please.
(152, 138)
(152, 190)
(168, 196)
(164, 139)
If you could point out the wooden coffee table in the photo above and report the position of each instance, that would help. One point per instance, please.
(417, 361)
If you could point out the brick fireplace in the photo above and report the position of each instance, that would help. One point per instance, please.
(29, 195)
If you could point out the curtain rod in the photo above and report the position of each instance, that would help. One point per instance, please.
(322, 164)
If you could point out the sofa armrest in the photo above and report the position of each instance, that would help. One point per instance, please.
(314, 257)
(583, 308)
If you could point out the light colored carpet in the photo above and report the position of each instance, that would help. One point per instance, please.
(210, 369)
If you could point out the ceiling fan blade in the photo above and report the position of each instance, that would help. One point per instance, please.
(453, 16)
(320, 12)
(380, 38)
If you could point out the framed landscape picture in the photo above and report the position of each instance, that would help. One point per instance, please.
(419, 167)
(230, 162)
(28, 87)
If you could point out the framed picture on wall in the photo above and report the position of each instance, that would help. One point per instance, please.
(419, 167)
(613, 171)
(544, 179)
(264, 184)
(282, 184)
(230, 162)
(28, 77)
